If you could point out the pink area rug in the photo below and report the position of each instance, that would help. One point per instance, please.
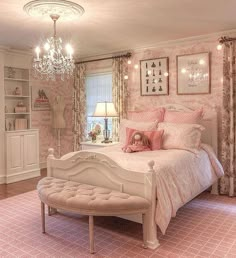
(206, 227)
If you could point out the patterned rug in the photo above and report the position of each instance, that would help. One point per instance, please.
(205, 227)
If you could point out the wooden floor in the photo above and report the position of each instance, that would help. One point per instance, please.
(13, 189)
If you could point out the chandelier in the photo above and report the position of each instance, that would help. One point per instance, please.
(55, 59)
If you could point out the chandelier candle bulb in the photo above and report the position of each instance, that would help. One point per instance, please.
(37, 50)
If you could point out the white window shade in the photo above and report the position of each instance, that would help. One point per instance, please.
(98, 89)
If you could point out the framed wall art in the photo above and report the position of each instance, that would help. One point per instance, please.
(40, 98)
(154, 76)
(193, 74)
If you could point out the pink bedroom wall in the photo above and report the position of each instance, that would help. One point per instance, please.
(43, 119)
(214, 99)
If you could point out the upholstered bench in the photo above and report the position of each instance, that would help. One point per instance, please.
(89, 200)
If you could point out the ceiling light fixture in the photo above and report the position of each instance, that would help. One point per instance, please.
(56, 60)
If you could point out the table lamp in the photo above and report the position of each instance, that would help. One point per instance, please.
(105, 109)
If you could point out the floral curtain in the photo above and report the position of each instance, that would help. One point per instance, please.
(79, 106)
(227, 183)
(119, 92)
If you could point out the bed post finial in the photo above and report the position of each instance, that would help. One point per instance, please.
(51, 153)
(151, 164)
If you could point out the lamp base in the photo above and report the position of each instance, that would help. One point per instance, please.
(106, 141)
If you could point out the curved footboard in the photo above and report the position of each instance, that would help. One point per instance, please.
(99, 170)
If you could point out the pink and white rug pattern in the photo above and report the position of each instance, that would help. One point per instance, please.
(206, 227)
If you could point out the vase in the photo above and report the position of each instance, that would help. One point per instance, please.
(94, 138)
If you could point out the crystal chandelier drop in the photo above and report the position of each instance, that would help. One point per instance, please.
(55, 60)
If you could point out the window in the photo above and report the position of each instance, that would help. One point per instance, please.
(98, 89)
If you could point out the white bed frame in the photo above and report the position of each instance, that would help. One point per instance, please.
(97, 169)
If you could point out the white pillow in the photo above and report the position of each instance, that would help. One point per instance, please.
(181, 136)
(142, 126)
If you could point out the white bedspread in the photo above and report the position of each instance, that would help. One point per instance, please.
(180, 175)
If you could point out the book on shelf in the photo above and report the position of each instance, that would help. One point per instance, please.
(20, 123)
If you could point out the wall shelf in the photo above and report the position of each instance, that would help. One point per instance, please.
(16, 96)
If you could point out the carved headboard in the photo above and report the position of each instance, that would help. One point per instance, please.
(210, 134)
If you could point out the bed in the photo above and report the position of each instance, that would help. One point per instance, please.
(167, 185)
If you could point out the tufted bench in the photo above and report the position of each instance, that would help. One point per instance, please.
(89, 200)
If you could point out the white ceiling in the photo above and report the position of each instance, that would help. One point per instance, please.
(110, 26)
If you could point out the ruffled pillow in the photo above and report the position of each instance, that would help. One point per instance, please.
(155, 137)
(193, 117)
(147, 116)
(140, 126)
(181, 136)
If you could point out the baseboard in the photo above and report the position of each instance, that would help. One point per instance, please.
(43, 165)
(2, 180)
(22, 176)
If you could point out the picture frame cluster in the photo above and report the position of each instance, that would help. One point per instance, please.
(192, 77)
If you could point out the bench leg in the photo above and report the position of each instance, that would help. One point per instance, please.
(144, 231)
(43, 216)
(91, 234)
(51, 211)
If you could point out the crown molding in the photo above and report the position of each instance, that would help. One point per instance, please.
(9, 50)
(178, 42)
(188, 40)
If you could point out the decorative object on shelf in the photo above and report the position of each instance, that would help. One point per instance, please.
(105, 109)
(54, 62)
(93, 136)
(193, 74)
(20, 107)
(17, 91)
(9, 124)
(39, 98)
(154, 76)
(10, 72)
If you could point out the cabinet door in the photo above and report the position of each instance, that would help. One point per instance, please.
(31, 151)
(15, 156)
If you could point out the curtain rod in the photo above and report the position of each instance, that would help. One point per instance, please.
(128, 54)
(223, 40)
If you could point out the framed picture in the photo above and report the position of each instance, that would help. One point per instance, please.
(193, 74)
(154, 76)
(40, 98)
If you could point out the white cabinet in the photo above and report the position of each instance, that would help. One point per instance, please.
(17, 99)
(22, 155)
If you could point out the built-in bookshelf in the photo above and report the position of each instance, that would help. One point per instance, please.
(17, 99)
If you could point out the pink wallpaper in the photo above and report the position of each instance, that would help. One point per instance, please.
(43, 119)
(137, 102)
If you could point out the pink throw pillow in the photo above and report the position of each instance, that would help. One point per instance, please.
(183, 117)
(139, 126)
(155, 137)
(147, 116)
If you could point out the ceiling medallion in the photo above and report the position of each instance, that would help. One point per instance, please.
(43, 8)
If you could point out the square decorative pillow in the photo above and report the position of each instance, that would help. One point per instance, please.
(155, 137)
(193, 117)
(147, 116)
(141, 126)
(181, 136)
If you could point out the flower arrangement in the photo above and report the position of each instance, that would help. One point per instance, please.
(92, 134)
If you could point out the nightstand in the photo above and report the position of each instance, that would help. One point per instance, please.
(94, 145)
